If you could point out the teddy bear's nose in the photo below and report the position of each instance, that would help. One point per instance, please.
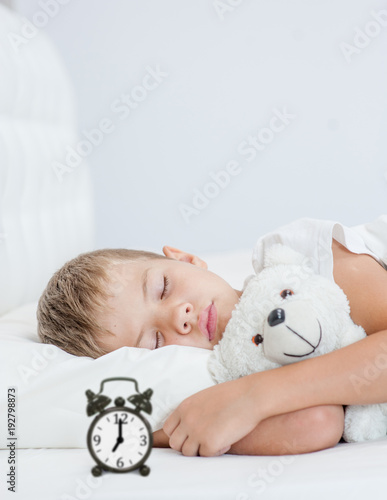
(276, 317)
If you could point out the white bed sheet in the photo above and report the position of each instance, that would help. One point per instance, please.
(354, 471)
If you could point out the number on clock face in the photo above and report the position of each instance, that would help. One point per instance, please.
(120, 439)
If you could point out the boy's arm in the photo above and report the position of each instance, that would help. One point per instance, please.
(215, 418)
(302, 431)
(219, 416)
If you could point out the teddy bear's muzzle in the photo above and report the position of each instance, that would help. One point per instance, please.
(291, 333)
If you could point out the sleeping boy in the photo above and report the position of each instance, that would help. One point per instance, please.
(106, 299)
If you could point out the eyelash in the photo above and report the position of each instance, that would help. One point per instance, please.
(166, 285)
(157, 340)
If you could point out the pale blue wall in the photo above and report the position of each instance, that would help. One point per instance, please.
(227, 79)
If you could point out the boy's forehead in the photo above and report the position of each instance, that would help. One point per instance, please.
(123, 274)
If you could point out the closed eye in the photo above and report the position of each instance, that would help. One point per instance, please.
(166, 286)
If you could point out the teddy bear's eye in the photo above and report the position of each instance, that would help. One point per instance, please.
(258, 339)
(286, 293)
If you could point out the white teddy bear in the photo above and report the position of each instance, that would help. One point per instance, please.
(288, 313)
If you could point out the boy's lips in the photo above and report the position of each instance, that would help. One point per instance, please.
(207, 321)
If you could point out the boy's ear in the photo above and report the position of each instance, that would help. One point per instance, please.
(175, 253)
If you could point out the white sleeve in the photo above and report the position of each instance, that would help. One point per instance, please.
(313, 238)
(374, 235)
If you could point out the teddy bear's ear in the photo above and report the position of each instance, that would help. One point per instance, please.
(281, 254)
(247, 280)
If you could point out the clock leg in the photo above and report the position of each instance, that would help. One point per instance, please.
(144, 470)
(96, 471)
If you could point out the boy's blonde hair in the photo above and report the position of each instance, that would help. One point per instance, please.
(68, 307)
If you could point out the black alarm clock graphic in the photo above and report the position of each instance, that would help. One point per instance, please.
(119, 438)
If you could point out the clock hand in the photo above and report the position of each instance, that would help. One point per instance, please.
(116, 445)
(120, 429)
(120, 438)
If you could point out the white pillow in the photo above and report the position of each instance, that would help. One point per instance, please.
(51, 384)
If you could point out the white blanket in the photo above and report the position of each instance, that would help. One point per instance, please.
(355, 471)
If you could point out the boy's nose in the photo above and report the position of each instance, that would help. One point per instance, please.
(180, 319)
(184, 318)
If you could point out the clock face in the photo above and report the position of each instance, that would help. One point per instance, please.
(119, 439)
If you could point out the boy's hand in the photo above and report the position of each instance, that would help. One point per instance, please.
(210, 421)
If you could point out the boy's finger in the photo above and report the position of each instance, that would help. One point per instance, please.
(222, 451)
(190, 448)
(178, 439)
(171, 423)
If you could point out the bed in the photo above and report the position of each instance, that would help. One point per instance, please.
(52, 460)
(46, 218)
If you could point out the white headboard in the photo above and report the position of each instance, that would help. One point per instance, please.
(45, 218)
